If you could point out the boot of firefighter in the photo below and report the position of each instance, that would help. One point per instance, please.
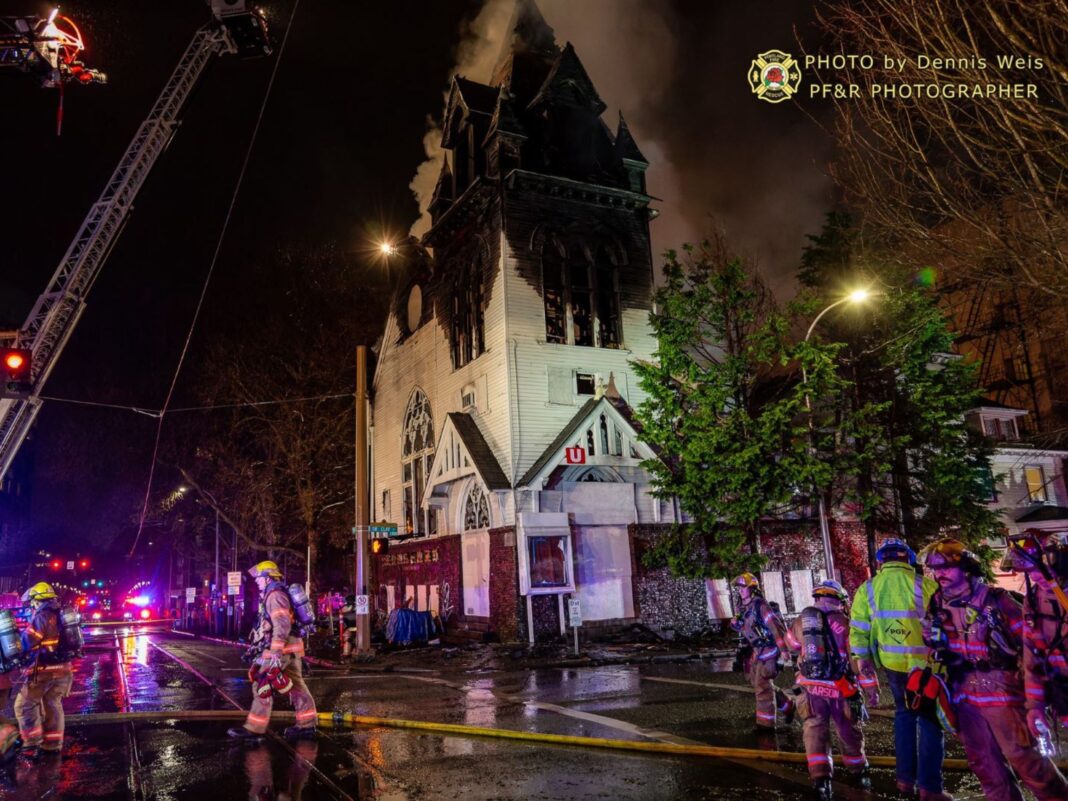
(244, 735)
(863, 778)
(298, 732)
(824, 790)
(784, 702)
(927, 795)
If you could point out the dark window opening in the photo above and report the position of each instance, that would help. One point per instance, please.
(585, 384)
(468, 323)
(582, 304)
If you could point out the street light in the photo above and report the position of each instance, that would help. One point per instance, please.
(856, 296)
(387, 249)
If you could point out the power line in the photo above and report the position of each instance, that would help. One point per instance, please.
(211, 407)
(207, 278)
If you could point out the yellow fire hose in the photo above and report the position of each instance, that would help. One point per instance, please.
(346, 718)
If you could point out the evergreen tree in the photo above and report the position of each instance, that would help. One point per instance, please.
(726, 412)
(914, 467)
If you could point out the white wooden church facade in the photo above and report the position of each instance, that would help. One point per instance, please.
(503, 392)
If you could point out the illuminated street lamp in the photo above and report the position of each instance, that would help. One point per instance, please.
(387, 249)
(856, 296)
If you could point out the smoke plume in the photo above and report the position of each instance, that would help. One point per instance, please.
(677, 71)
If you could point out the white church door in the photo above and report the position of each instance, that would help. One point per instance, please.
(476, 565)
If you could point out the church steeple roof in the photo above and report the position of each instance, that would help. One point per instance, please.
(569, 81)
(529, 37)
(626, 147)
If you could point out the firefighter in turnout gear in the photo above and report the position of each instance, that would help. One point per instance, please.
(762, 630)
(48, 675)
(277, 665)
(1043, 559)
(976, 631)
(886, 630)
(10, 660)
(820, 636)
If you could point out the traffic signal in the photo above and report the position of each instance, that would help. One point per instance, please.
(379, 545)
(83, 564)
(15, 365)
(56, 564)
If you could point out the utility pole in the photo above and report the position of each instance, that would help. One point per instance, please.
(363, 622)
(214, 616)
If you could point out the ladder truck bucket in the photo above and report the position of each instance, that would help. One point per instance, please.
(246, 26)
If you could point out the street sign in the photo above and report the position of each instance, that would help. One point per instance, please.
(382, 527)
(575, 455)
(190, 594)
(70, 565)
(232, 590)
(233, 579)
(574, 611)
(363, 604)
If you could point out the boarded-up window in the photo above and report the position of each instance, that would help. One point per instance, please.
(774, 590)
(561, 389)
(800, 589)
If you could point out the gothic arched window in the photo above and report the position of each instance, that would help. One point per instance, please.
(468, 324)
(417, 450)
(476, 509)
(581, 298)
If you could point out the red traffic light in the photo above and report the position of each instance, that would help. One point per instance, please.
(83, 564)
(16, 364)
(56, 564)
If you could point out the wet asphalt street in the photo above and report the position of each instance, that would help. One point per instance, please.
(144, 670)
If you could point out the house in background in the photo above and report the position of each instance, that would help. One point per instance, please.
(1028, 488)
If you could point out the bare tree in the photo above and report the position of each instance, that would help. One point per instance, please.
(276, 458)
(976, 183)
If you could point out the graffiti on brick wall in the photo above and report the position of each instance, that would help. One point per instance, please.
(445, 602)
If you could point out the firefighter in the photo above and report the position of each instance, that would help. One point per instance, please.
(277, 665)
(762, 630)
(976, 631)
(886, 629)
(48, 676)
(9, 729)
(1043, 559)
(820, 637)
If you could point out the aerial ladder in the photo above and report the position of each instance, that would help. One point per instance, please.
(47, 49)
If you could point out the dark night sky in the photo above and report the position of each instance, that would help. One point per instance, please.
(340, 141)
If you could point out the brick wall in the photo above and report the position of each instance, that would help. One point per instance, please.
(663, 602)
(797, 545)
(435, 561)
(505, 607)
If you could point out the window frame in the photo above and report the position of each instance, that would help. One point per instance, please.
(562, 283)
(1042, 487)
(416, 464)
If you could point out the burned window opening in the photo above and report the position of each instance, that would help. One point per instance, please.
(581, 297)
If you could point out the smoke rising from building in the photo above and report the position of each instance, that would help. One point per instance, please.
(676, 70)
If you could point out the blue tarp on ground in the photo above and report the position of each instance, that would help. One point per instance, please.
(406, 626)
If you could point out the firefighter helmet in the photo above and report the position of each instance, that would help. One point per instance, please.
(951, 553)
(894, 548)
(1056, 550)
(746, 580)
(41, 591)
(265, 569)
(1024, 551)
(830, 589)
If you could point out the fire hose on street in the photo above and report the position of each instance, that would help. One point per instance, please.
(339, 718)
